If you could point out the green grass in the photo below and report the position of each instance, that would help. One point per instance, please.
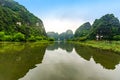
(106, 45)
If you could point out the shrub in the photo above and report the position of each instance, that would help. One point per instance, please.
(117, 37)
(44, 37)
(19, 37)
(38, 38)
(32, 38)
(8, 38)
(50, 39)
(83, 39)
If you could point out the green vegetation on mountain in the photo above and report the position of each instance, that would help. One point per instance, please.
(83, 30)
(16, 20)
(66, 35)
(104, 33)
(53, 35)
(106, 28)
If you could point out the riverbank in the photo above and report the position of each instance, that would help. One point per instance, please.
(105, 45)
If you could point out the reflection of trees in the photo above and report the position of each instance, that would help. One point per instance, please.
(63, 45)
(16, 62)
(52, 46)
(106, 58)
(83, 51)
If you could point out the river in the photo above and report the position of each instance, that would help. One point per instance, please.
(57, 61)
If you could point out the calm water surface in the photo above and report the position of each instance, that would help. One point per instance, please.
(58, 61)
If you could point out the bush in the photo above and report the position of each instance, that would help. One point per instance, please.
(2, 34)
(117, 37)
(50, 39)
(38, 38)
(83, 39)
(32, 38)
(8, 38)
(19, 37)
(44, 38)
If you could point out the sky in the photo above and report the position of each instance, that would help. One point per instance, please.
(61, 15)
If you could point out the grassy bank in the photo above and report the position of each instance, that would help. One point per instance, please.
(106, 45)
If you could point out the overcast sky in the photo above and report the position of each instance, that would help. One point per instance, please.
(61, 15)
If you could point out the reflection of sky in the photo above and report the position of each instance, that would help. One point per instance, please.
(60, 15)
(60, 65)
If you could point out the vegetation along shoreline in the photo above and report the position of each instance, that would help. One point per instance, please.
(105, 45)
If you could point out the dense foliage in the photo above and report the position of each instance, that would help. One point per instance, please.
(21, 37)
(15, 18)
(66, 35)
(105, 28)
(61, 37)
(83, 30)
(53, 35)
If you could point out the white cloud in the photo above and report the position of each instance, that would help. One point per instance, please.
(61, 25)
(59, 20)
(62, 18)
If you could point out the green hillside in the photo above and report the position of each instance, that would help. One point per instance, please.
(105, 28)
(83, 30)
(15, 18)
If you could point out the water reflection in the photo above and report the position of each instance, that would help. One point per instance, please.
(17, 58)
(63, 45)
(60, 61)
(58, 64)
(107, 59)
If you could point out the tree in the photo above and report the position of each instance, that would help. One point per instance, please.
(2, 34)
(117, 37)
(19, 37)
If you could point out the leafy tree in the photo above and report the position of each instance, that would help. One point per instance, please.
(50, 39)
(2, 34)
(8, 38)
(32, 38)
(39, 38)
(116, 37)
(19, 37)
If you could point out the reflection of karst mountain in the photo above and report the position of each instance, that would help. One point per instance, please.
(16, 59)
(63, 45)
(106, 58)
